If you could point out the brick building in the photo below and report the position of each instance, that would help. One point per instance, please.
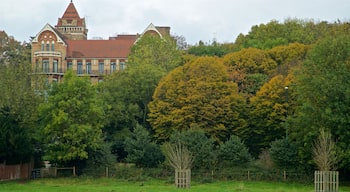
(65, 46)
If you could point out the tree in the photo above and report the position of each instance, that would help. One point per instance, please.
(324, 151)
(233, 152)
(15, 141)
(199, 145)
(71, 119)
(324, 97)
(267, 114)
(196, 96)
(247, 64)
(18, 102)
(284, 153)
(141, 150)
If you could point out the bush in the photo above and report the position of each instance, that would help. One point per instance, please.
(234, 152)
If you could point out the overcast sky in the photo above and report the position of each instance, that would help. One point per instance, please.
(194, 19)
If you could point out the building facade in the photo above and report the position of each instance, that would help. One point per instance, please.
(66, 47)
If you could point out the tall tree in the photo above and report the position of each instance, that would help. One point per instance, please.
(197, 95)
(324, 96)
(18, 101)
(267, 115)
(127, 93)
(72, 119)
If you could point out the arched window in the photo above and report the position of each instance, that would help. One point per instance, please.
(53, 46)
(47, 46)
(42, 45)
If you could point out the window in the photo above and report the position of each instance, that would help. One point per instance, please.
(55, 66)
(80, 67)
(101, 67)
(47, 46)
(45, 66)
(69, 65)
(113, 67)
(53, 46)
(121, 65)
(88, 67)
(42, 46)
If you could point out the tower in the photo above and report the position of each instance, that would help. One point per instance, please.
(70, 25)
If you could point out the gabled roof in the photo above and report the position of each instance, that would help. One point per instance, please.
(48, 27)
(119, 48)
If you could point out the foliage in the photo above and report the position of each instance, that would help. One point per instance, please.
(213, 49)
(248, 64)
(160, 52)
(324, 97)
(233, 152)
(201, 147)
(324, 151)
(284, 154)
(71, 119)
(98, 160)
(274, 33)
(267, 115)
(127, 93)
(196, 96)
(141, 150)
(18, 102)
(15, 142)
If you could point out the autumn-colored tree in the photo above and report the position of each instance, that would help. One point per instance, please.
(196, 96)
(268, 114)
(247, 62)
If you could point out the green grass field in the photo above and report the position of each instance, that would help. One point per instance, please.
(114, 185)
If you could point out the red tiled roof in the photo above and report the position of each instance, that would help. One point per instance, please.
(119, 48)
(71, 13)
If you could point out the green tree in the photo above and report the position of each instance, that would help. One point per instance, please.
(284, 154)
(141, 150)
(18, 101)
(71, 119)
(201, 147)
(324, 96)
(234, 152)
(127, 93)
(196, 95)
(15, 141)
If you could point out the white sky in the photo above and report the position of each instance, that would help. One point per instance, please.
(194, 19)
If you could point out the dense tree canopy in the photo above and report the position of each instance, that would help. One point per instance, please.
(196, 96)
(71, 119)
(324, 95)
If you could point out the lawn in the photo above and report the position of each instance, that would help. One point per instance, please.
(114, 185)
